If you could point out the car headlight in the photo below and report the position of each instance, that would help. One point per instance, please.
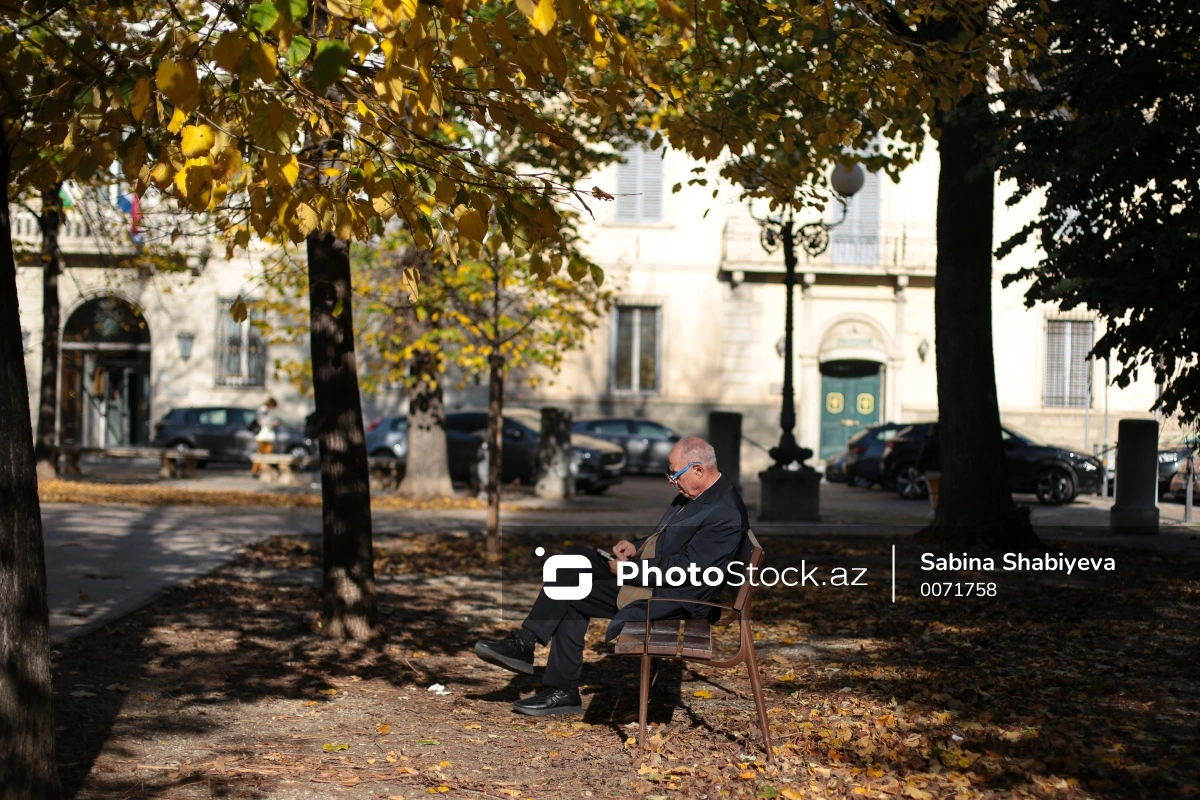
(1167, 458)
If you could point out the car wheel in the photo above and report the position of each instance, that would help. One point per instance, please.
(1055, 486)
(183, 447)
(384, 454)
(910, 484)
(299, 451)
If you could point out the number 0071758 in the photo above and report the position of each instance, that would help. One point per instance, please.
(955, 589)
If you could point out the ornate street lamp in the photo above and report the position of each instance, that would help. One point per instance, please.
(185, 339)
(814, 238)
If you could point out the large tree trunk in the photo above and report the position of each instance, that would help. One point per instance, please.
(46, 450)
(27, 765)
(349, 575)
(976, 505)
(427, 467)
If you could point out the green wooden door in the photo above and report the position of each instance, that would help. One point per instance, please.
(848, 404)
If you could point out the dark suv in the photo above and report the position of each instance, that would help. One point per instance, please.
(226, 432)
(1055, 474)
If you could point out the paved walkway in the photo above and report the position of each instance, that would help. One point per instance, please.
(106, 561)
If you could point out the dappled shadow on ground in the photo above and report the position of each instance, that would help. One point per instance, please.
(1054, 687)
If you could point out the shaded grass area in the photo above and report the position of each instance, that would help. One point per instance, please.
(1054, 687)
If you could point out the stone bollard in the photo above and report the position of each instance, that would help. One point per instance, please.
(1135, 509)
(556, 472)
(725, 435)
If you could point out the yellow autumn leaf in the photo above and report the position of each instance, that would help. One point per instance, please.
(228, 164)
(409, 282)
(302, 222)
(178, 118)
(139, 98)
(748, 775)
(874, 772)
(229, 50)
(162, 174)
(283, 171)
(177, 80)
(790, 793)
(544, 17)
(326, 692)
(384, 729)
(265, 61)
(788, 676)
(703, 694)
(362, 45)
(470, 223)
(197, 140)
(194, 182)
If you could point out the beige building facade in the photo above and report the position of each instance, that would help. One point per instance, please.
(700, 319)
(698, 327)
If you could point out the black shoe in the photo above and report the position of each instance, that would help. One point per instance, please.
(550, 701)
(513, 652)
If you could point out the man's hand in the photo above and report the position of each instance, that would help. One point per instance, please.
(623, 551)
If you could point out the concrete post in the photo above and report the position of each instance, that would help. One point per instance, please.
(1135, 510)
(725, 435)
(556, 473)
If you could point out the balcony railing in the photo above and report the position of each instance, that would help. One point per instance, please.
(897, 249)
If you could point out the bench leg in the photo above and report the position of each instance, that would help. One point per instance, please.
(287, 476)
(71, 463)
(166, 468)
(267, 473)
(189, 466)
(644, 703)
(756, 687)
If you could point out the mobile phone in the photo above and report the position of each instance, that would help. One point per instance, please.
(605, 554)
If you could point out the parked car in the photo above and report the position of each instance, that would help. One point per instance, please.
(1173, 455)
(865, 451)
(646, 443)
(387, 437)
(598, 464)
(226, 432)
(835, 468)
(1055, 474)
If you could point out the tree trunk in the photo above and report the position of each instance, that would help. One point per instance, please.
(349, 574)
(27, 765)
(427, 467)
(46, 449)
(554, 478)
(976, 505)
(495, 450)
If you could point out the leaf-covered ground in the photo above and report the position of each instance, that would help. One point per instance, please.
(1064, 688)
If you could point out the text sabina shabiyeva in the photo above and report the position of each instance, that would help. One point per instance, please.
(1016, 562)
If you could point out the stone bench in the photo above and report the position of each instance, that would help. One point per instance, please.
(277, 468)
(173, 463)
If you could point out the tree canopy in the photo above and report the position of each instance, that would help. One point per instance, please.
(1109, 139)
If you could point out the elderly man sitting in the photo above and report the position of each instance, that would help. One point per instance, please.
(703, 526)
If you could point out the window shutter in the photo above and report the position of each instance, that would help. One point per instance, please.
(1078, 372)
(652, 185)
(629, 186)
(856, 240)
(1054, 394)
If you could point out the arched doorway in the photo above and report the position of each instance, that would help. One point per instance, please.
(105, 389)
(852, 356)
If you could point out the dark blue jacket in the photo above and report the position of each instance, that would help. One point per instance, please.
(707, 532)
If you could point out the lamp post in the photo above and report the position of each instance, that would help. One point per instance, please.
(185, 339)
(790, 493)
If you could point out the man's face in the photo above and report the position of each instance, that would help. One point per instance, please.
(694, 477)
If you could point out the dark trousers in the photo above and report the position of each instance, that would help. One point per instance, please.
(563, 623)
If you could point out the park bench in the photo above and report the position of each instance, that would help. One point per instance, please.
(386, 473)
(173, 463)
(690, 640)
(278, 468)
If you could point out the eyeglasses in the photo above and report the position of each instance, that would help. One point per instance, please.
(674, 477)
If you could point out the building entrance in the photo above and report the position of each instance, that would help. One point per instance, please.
(104, 392)
(850, 397)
